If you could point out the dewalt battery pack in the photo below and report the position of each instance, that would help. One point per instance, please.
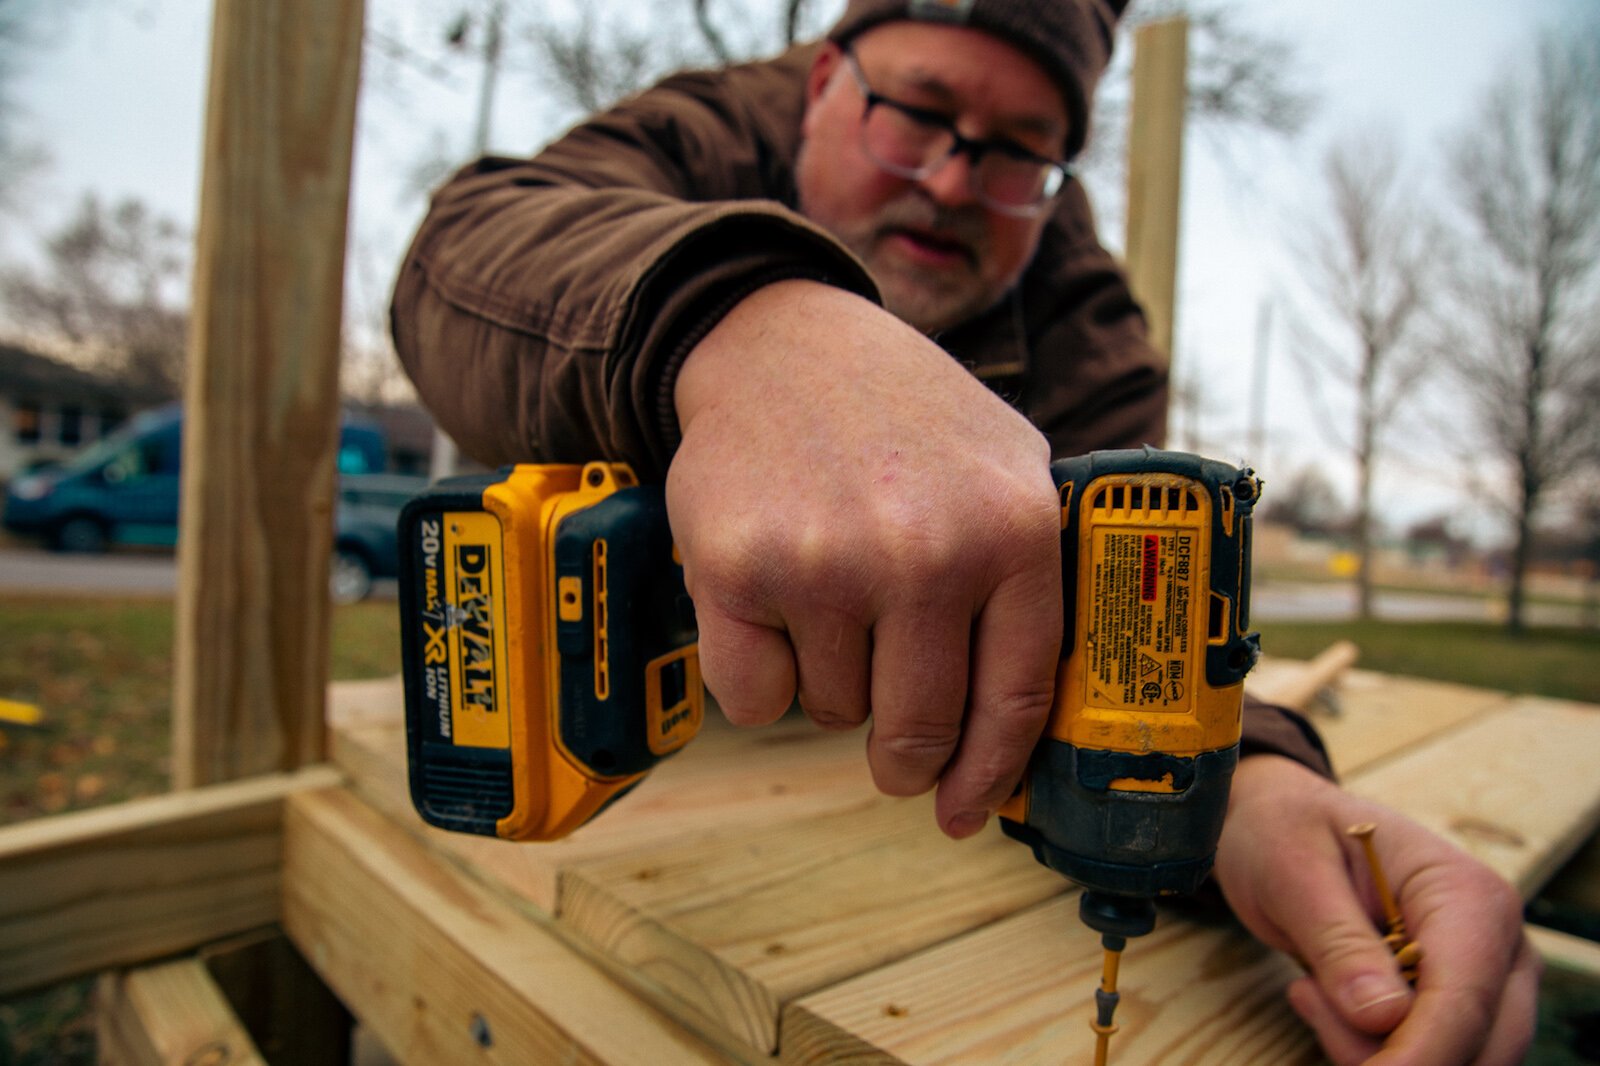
(1126, 792)
(548, 647)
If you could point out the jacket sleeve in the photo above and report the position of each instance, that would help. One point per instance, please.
(1094, 381)
(1274, 730)
(544, 302)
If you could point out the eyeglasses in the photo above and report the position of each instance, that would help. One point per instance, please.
(914, 142)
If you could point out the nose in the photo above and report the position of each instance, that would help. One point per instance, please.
(950, 184)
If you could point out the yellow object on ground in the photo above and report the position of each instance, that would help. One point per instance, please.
(14, 712)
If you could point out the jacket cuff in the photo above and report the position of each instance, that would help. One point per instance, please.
(693, 328)
(1274, 730)
(691, 289)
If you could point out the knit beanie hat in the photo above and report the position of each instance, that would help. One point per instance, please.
(1071, 39)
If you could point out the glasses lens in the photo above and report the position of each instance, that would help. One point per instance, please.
(1008, 181)
(903, 145)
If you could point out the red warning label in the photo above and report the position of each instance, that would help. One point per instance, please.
(1150, 568)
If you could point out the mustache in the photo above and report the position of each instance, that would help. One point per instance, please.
(962, 225)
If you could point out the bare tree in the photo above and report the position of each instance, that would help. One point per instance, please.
(114, 284)
(19, 157)
(592, 67)
(1239, 78)
(1306, 502)
(1522, 340)
(1366, 260)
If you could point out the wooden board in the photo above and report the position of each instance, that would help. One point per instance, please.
(1019, 992)
(261, 390)
(1517, 796)
(170, 1013)
(86, 891)
(444, 969)
(1566, 951)
(1155, 172)
(1516, 788)
(1382, 716)
(853, 931)
(726, 778)
(734, 927)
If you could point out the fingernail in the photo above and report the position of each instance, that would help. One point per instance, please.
(964, 825)
(1371, 990)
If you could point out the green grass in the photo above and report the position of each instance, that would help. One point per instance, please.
(101, 670)
(1563, 663)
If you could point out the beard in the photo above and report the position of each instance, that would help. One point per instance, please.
(928, 261)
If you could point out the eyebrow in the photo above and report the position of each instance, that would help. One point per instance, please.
(1026, 122)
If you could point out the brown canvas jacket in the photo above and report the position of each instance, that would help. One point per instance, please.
(545, 304)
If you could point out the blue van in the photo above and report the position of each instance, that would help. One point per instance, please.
(125, 489)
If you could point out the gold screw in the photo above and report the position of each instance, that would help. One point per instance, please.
(1407, 952)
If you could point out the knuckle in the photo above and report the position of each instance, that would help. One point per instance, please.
(833, 719)
(1017, 716)
(1343, 946)
(914, 756)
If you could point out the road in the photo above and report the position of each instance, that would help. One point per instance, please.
(1320, 601)
(121, 573)
(27, 570)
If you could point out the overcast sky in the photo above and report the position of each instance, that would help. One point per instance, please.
(117, 96)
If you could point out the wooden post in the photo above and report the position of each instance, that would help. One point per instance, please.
(261, 397)
(1155, 171)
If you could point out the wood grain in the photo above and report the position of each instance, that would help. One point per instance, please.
(725, 779)
(1507, 773)
(165, 1014)
(735, 927)
(1516, 788)
(1155, 172)
(121, 885)
(1018, 993)
(261, 396)
(444, 969)
(1380, 717)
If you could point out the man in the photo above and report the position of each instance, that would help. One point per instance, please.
(799, 289)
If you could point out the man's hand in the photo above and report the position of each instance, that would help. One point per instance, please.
(1300, 884)
(866, 525)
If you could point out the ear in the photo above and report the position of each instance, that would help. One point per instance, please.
(823, 67)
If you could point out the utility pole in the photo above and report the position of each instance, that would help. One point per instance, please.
(1258, 384)
(445, 454)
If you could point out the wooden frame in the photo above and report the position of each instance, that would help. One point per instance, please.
(601, 951)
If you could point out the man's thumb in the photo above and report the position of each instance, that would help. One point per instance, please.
(1357, 973)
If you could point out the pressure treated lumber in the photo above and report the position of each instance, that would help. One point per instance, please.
(735, 927)
(1299, 688)
(1515, 788)
(1566, 951)
(169, 1013)
(1511, 780)
(101, 888)
(261, 393)
(1155, 172)
(1019, 993)
(752, 918)
(444, 969)
(726, 778)
(1382, 717)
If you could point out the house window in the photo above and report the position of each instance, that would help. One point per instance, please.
(71, 425)
(26, 422)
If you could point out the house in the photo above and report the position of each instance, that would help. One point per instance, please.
(50, 410)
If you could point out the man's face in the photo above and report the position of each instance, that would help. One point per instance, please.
(939, 255)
